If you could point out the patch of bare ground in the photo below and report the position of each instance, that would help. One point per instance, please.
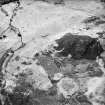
(40, 65)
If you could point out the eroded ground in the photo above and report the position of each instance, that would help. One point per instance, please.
(52, 53)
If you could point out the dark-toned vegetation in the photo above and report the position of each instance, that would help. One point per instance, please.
(2, 2)
(91, 19)
(78, 46)
(103, 1)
